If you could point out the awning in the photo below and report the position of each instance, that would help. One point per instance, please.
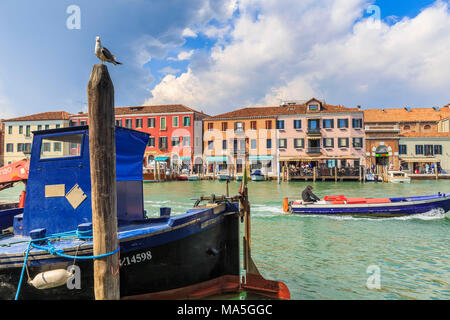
(317, 158)
(216, 159)
(161, 158)
(260, 158)
(185, 158)
(420, 160)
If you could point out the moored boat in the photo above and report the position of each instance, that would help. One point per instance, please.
(257, 176)
(373, 207)
(190, 255)
(223, 176)
(398, 177)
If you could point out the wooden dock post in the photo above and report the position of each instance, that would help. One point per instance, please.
(314, 174)
(102, 155)
(335, 174)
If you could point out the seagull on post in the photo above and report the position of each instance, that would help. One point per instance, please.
(103, 54)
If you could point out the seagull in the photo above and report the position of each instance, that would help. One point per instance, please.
(103, 54)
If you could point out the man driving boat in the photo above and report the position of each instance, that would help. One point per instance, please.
(308, 195)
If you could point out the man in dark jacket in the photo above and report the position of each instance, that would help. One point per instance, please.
(308, 196)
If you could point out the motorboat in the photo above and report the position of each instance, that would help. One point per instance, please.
(398, 177)
(257, 175)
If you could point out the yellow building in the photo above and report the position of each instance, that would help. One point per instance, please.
(18, 134)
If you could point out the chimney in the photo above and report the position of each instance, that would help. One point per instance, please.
(359, 107)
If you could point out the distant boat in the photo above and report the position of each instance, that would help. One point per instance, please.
(239, 178)
(398, 177)
(373, 207)
(373, 177)
(193, 178)
(223, 177)
(257, 176)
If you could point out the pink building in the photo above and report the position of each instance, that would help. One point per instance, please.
(319, 135)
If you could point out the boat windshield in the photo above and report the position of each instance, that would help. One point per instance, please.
(63, 146)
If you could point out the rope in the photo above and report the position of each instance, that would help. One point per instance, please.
(52, 250)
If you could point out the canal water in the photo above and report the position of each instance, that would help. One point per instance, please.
(332, 257)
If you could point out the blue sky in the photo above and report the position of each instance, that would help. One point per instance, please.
(199, 53)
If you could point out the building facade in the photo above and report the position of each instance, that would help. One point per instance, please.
(385, 127)
(290, 135)
(18, 135)
(175, 133)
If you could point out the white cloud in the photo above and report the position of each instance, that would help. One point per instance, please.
(168, 70)
(295, 50)
(183, 55)
(188, 33)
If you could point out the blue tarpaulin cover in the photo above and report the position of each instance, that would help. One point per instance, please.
(130, 148)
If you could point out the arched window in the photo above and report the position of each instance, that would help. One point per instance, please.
(427, 127)
(407, 127)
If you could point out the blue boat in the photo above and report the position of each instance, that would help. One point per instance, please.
(49, 253)
(257, 176)
(372, 207)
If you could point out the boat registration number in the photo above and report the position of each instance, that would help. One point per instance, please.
(136, 258)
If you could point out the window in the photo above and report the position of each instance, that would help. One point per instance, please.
(253, 143)
(357, 142)
(39, 127)
(162, 143)
(328, 142)
(313, 107)
(428, 150)
(224, 144)
(28, 131)
(282, 143)
(343, 142)
(162, 123)
(10, 129)
(210, 126)
(328, 123)
(438, 149)
(268, 143)
(239, 126)
(175, 121)
(151, 142)
(268, 124)
(186, 141)
(57, 126)
(57, 146)
(67, 145)
(187, 121)
(224, 126)
(138, 123)
(20, 147)
(280, 124)
(427, 127)
(402, 149)
(71, 124)
(313, 124)
(20, 129)
(253, 125)
(357, 123)
(175, 141)
(82, 123)
(150, 122)
(299, 143)
(128, 123)
(118, 122)
(419, 149)
(9, 147)
(407, 127)
(297, 124)
(211, 145)
(342, 123)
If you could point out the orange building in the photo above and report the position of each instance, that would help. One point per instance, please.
(385, 127)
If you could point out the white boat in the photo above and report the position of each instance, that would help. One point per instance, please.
(257, 176)
(398, 177)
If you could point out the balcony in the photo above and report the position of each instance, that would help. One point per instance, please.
(314, 132)
(315, 150)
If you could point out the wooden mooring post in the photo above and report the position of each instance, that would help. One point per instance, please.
(102, 154)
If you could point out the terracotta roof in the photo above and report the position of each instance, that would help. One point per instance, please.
(254, 112)
(169, 108)
(51, 115)
(425, 134)
(406, 114)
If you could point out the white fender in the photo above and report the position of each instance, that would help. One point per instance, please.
(50, 279)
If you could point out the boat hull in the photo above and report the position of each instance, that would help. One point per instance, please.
(257, 178)
(375, 210)
(175, 259)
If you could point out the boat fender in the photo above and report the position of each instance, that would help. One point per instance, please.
(286, 205)
(51, 279)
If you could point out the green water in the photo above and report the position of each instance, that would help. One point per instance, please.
(328, 257)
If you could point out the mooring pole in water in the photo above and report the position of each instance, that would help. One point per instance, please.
(102, 154)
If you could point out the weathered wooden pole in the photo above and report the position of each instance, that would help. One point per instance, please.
(102, 154)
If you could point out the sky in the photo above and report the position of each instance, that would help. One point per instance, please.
(221, 55)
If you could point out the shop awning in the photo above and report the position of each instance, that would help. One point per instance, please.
(216, 159)
(185, 158)
(161, 158)
(420, 160)
(260, 158)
